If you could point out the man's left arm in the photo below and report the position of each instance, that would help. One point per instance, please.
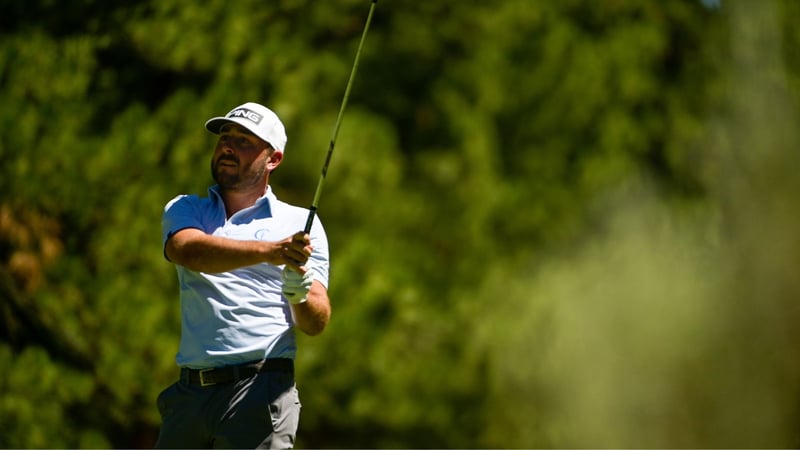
(306, 287)
(312, 315)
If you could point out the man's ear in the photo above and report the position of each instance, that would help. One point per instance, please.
(274, 160)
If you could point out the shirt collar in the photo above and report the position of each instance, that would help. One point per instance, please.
(266, 199)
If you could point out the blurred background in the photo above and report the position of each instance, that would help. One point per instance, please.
(552, 224)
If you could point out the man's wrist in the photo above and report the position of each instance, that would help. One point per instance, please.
(300, 301)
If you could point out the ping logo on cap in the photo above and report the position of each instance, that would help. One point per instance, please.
(245, 113)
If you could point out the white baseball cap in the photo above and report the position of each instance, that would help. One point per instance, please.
(259, 119)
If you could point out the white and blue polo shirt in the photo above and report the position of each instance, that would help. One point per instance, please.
(238, 316)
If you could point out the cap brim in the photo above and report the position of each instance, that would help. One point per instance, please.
(215, 124)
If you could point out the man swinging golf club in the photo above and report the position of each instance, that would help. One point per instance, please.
(247, 278)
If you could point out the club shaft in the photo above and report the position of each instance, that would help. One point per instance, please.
(315, 203)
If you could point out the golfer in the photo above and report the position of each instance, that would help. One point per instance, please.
(248, 278)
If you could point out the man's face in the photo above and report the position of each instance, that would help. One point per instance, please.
(240, 158)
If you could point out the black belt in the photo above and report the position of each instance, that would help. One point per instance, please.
(230, 374)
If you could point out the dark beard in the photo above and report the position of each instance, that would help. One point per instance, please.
(234, 181)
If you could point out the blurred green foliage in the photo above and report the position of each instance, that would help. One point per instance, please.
(553, 224)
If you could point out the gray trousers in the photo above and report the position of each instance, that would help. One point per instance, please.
(262, 411)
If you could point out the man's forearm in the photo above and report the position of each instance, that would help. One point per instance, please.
(201, 252)
(312, 316)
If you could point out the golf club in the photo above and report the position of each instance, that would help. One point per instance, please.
(315, 203)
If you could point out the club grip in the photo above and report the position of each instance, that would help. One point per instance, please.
(310, 221)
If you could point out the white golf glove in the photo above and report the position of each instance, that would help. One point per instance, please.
(296, 286)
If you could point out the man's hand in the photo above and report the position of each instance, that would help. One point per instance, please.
(296, 285)
(294, 251)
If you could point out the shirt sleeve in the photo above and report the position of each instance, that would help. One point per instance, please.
(181, 212)
(319, 262)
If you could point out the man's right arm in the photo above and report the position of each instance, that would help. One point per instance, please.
(201, 252)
